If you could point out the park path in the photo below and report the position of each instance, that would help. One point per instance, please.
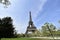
(47, 37)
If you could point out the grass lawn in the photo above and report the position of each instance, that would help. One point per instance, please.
(23, 39)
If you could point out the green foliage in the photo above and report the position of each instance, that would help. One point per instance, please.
(5, 3)
(20, 35)
(6, 27)
(47, 29)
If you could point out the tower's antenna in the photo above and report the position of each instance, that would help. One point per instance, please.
(30, 16)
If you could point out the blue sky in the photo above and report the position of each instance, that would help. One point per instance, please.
(42, 11)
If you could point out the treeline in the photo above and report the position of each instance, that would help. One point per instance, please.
(7, 29)
(47, 30)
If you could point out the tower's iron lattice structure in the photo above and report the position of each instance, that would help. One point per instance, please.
(30, 28)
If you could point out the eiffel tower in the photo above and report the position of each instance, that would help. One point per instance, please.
(30, 28)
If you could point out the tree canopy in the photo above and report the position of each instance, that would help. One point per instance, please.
(48, 28)
(6, 27)
(5, 2)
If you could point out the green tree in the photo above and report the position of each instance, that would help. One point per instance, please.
(6, 28)
(47, 29)
(0, 28)
(5, 2)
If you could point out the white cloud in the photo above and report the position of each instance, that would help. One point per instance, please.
(39, 8)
